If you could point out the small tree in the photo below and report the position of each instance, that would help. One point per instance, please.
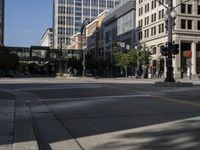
(123, 59)
(134, 57)
(8, 60)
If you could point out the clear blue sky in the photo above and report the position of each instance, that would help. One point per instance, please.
(26, 21)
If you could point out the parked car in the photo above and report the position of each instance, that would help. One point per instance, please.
(88, 74)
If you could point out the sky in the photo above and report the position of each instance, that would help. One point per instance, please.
(26, 21)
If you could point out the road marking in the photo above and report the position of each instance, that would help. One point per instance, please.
(66, 87)
(177, 101)
(98, 97)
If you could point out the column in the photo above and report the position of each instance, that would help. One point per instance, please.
(194, 59)
(177, 62)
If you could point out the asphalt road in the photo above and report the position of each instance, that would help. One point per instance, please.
(98, 115)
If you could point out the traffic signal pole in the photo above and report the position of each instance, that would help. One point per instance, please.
(169, 65)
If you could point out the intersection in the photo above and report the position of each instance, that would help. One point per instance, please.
(86, 113)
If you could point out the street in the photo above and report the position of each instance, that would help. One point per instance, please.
(98, 114)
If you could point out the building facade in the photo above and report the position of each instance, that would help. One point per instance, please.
(47, 38)
(94, 37)
(2, 3)
(152, 33)
(75, 42)
(69, 15)
(119, 27)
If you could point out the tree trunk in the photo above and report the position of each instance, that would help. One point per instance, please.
(126, 71)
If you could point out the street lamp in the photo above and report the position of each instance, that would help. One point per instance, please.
(169, 74)
(83, 25)
(169, 18)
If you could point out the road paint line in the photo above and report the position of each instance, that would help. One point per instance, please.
(177, 101)
(98, 97)
(53, 88)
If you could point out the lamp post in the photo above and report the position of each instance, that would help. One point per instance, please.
(83, 25)
(170, 13)
(170, 18)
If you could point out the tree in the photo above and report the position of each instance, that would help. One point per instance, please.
(123, 59)
(134, 57)
(8, 60)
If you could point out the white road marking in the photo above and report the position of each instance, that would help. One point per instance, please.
(53, 88)
(98, 97)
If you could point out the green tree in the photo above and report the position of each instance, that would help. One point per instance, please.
(140, 57)
(134, 57)
(123, 59)
(8, 60)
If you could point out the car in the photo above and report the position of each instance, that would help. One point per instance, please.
(88, 74)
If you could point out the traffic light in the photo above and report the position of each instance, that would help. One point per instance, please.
(164, 51)
(175, 49)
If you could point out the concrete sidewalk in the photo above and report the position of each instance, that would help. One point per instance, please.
(123, 80)
(7, 110)
(16, 130)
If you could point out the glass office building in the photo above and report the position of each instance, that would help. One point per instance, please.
(2, 22)
(69, 14)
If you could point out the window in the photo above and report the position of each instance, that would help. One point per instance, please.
(140, 1)
(153, 4)
(146, 33)
(154, 30)
(161, 28)
(154, 50)
(183, 24)
(151, 31)
(140, 35)
(154, 16)
(147, 8)
(198, 25)
(189, 9)
(186, 24)
(183, 8)
(146, 21)
(159, 15)
(140, 11)
(198, 8)
(125, 23)
(189, 24)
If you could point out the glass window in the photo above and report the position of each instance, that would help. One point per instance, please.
(198, 25)
(183, 24)
(183, 8)
(125, 23)
(189, 9)
(189, 24)
(198, 7)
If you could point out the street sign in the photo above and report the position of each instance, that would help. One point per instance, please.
(187, 54)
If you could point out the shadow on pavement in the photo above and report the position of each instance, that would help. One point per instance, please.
(184, 135)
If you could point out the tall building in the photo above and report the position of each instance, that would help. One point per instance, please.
(152, 34)
(69, 15)
(2, 2)
(47, 38)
